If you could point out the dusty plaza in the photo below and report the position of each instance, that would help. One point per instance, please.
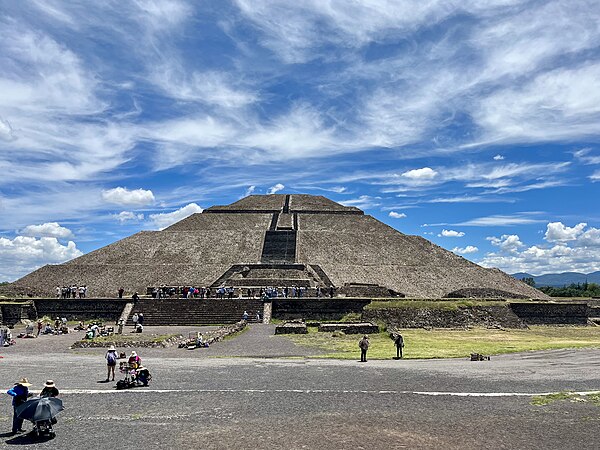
(259, 390)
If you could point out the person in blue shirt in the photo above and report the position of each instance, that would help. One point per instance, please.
(20, 393)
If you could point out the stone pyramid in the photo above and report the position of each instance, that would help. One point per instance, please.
(280, 240)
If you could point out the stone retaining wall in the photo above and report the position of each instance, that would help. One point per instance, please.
(13, 313)
(551, 313)
(316, 309)
(466, 316)
(81, 309)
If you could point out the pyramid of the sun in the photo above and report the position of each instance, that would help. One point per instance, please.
(279, 240)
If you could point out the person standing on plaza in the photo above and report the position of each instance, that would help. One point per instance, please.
(364, 346)
(111, 362)
(399, 342)
(20, 393)
(135, 319)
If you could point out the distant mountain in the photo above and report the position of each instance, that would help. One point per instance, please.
(560, 279)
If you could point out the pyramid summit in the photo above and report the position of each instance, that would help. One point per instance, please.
(280, 240)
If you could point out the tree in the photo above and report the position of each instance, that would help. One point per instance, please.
(528, 280)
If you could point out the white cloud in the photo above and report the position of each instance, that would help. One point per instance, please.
(507, 243)
(557, 232)
(126, 197)
(584, 156)
(466, 250)
(556, 105)
(570, 249)
(498, 158)
(397, 215)
(249, 191)
(300, 132)
(125, 216)
(50, 229)
(363, 202)
(426, 173)
(595, 176)
(276, 188)
(470, 199)
(216, 88)
(163, 220)
(6, 131)
(451, 233)
(500, 220)
(24, 254)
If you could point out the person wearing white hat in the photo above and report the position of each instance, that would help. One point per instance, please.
(111, 362)
(134, 360)
(20, 393)
(49, 389)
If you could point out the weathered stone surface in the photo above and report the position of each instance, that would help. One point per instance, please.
(552, 313)
(316, 309)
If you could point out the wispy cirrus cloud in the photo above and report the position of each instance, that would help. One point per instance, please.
(501, 220)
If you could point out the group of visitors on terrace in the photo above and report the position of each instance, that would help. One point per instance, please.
(73, 291)
(230, 292)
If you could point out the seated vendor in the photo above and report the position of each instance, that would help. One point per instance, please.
(134, 360)
(143, 376)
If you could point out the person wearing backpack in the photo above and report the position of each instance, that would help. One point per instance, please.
(111, 362)
(364, 346)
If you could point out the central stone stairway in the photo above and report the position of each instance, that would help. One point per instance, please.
(256, 276)
(196, 311)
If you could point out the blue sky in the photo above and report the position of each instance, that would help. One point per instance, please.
(473, 124)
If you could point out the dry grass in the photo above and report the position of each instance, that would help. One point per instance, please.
(443, 343)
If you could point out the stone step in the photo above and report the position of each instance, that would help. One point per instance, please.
(279, 246)
(195, 311)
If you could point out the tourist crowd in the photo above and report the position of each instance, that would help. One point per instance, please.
(72, 291)
(230, 292)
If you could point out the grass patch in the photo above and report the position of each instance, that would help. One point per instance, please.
(236, 334)
(443, 343)
(543, 400)
(350, 317)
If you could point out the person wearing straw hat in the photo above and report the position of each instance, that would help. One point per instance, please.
(49, 389)
(111, 362)
(19, 392)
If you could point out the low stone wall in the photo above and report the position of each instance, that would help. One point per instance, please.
(316, 309)
(291, 328)
(367, 290)
(141, 343)
(349, 328)
(461, 317)
(551, 313)
(211, 337)
(12, 313)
